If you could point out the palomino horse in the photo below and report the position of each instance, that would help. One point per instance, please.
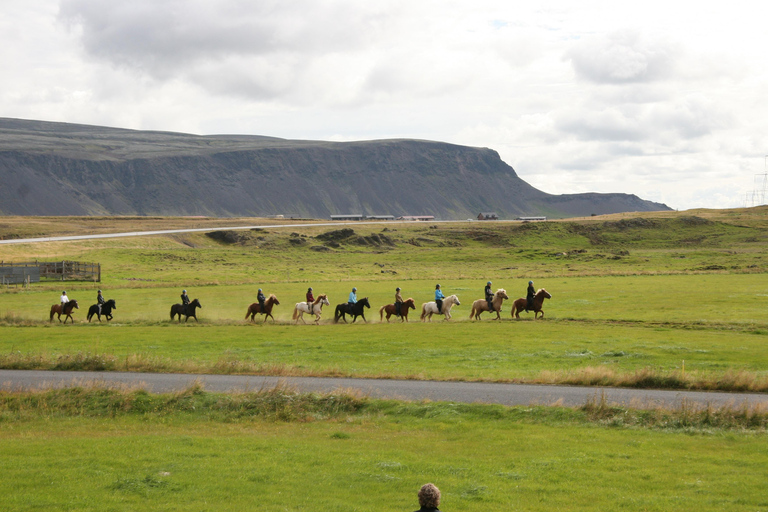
(188, 310)
(481, 305)
(106, 310)
(316, 308)
(256, 308)
(521, 304)
(430, 308)
(354, 310)
(66, 310)
(389, 309)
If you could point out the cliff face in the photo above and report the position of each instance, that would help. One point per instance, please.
(63, 169)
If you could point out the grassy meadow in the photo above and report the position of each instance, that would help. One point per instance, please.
(672, 300)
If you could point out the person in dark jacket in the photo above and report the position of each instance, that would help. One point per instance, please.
(310, 300)
(530, 294)
(429, 498)
(100, 300)
(184, 297)
(489, 296)
(261, 298)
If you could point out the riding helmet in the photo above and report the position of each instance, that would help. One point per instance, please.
(310, 289)
(64, 293)
(99, 291)
(183, 291)
(436, 287)
(354, 289)
(489, 283)
(259, 289)
(530, 282)
(397, 289)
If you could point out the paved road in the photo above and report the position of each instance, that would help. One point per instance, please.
(210, 228)
(468, 392)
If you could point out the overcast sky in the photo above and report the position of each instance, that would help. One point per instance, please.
(666, 100)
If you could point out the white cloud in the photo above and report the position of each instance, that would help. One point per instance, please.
(662, 100)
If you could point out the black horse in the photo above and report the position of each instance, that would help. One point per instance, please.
(106, 310)
(354, 310)
(188, 310)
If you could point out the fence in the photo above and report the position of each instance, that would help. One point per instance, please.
(34, 271)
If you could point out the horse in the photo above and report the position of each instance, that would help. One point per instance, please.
(316, 309)
(256, 308)
(389, 309)
(521, 304)
(481, 305)
(353, 310)
(430, 308)
(188, 310)
(106, 310)
(65, 310)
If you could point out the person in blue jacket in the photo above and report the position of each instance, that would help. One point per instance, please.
(353, 296)
(439, 298)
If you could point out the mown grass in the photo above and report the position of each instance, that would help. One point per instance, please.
(96, 449)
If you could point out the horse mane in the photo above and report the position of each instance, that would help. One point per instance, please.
(500, 291)
(409, 299)
(320, 297)
(272, 296)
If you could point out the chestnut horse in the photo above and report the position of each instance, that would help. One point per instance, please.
(521, 304)
(481, 305)
(66, 310)
(389, 309)
(256, 308)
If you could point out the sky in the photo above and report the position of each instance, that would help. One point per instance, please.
(665, 100)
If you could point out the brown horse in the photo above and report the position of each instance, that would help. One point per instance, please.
(389, 309)
(256, 308)
(481, 305)
(66, 310)
(521, 304)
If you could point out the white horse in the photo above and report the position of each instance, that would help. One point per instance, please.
(430, 308)
(315, 309)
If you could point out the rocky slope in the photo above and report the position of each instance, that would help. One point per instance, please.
(65, 169)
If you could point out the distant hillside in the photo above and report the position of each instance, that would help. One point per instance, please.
(66, 169)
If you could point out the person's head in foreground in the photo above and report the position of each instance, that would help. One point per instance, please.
(429, 496)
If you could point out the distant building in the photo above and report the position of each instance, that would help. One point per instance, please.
(531, 219)
(348, 216)
(487, 216)
(379, 217)
(417, 217)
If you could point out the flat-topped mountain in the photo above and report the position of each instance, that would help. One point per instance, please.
(68, 169)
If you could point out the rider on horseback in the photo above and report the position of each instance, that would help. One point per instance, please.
(63, 299)
(261, 298)
(489, 296)
(530, 295)
(184, 297)
(439, 298)
(353, 296)
(100, 300)
(310, 300)
(398, 301)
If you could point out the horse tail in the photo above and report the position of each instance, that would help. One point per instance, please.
(296, 312)
(53, 312)
(248, 312)
(472, 313)
(423, 310)
(336, 315)
(172, 313)
(381, 312)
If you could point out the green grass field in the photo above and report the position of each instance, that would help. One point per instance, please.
(195, 451)
(674, 300)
